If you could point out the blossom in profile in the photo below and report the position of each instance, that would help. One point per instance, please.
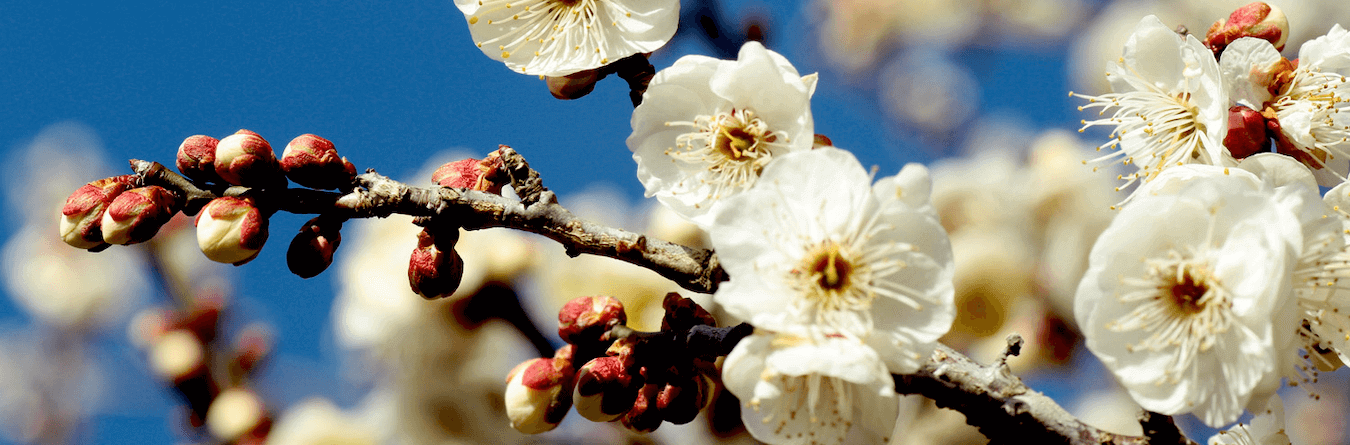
(560, 37)
(1173, 302)
(1168, 106)
(706, 128)
(1306, 101)
(797, 389)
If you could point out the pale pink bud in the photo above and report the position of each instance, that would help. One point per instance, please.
(313, 162)
(585, 319)
(231, 230)
(311, 251)
(245, 158)
(605, 389)
(435, 269)
(645, 416)
(539, 393)
(197, 158)
(473, 174)
(252, 346)
(136, 215)
(1246, 132)
(82, 215)
(1257, 19)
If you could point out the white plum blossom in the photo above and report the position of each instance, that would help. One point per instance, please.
(814, 244)
(1308, 99)
(1168, 104)
(1266, 428)
(560, 37)
(801, 390)
(1187, 298)
(707, 127)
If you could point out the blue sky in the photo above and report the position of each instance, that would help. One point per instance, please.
(390, 83)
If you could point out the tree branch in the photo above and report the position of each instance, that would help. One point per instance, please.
(1006, 410)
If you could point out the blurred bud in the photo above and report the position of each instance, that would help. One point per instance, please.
(311, 251)
(136, 215)
(204, 317)
(1246, 132)
(252, 346)
(235, 414)
(148, 325)
(681, 400)
(473, 174)
(231, 230)
(539, 392)
(177, 355)
(683, 313)
(245, 158)
(312, 161)
(197, 158)
(435, 269)
(83, 213)
(1257, 19)
(585, 319)
(575, 85)
(645, 416)
(605, 389)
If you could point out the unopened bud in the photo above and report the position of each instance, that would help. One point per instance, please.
(231, 230)
(683, 313)
(473, 174)
(252, 346)
(539, 393)
(312, 161)
(245, 158)
(585, 319)
(136, 215)
(82, 215)
(311, 251)
(645, 416)
(197, 158)
(821, 141)
(235, 413)
(1257, 19)
(575, 85)
(435, 269)
(605, 389)
(681, 399)
(1246, 132)
(177, 355)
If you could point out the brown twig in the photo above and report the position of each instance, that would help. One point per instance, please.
(1007, 411)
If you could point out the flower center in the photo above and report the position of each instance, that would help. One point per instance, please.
(1181, 306)
(731, 147)
(558, 28)
(832, 270)
(827, 402)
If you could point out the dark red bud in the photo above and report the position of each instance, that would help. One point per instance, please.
(585, 319)
(575, 85)
(1246, 132)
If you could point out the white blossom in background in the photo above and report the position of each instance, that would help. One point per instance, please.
(707, 127)
(1312, 109)
(317, 421)
(1173, 304)
(824, 264)
(560, 37)
(1266, 428)
(1168, 106)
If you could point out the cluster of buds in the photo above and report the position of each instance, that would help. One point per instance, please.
(114, 211)
(636, 378)
(182, 346)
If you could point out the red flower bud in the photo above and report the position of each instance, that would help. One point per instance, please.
(683, 313)
(606, 389)
(231, 230)
(645, 416)
(82, 215)
(136, 215)
(1257, 19)
(312, 161)
(585, 319)
(311, 251)
(197, 158)
(539, 392)
(1246, 132)
(681, 400)
(245, 158)
(435, 269)
(471, 174)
